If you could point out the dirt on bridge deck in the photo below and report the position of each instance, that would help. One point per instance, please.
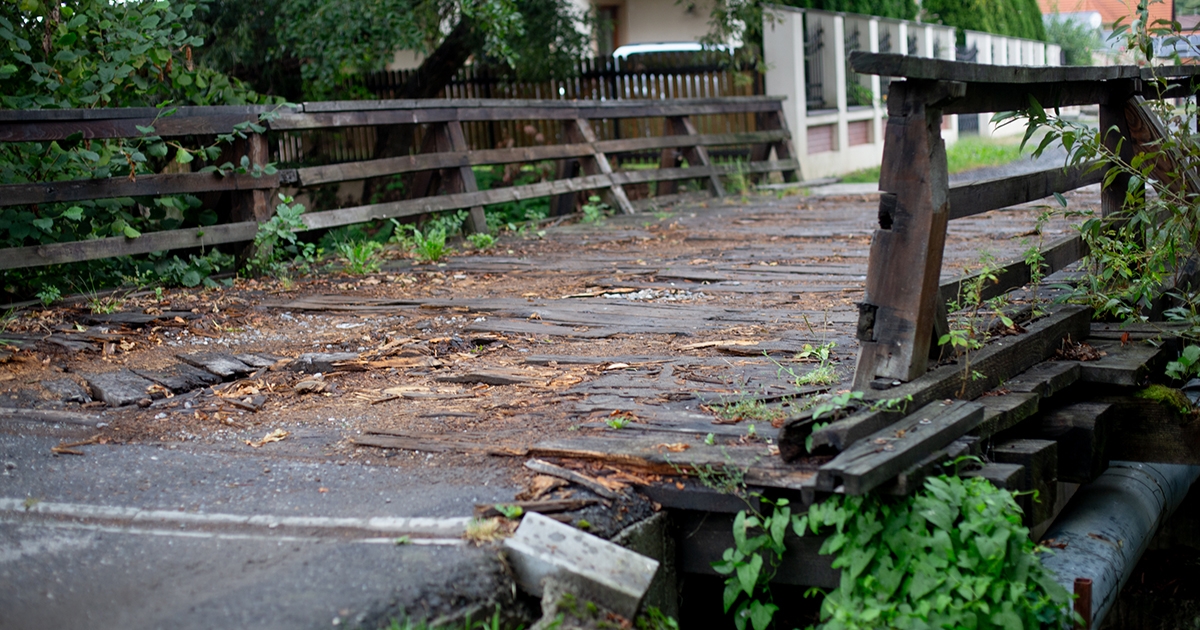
(455, 370)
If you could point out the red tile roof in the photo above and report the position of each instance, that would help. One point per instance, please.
(1109, 10)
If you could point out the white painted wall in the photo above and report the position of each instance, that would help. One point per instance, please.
(783, 48)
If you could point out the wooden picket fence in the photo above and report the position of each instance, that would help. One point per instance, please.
(442, 175)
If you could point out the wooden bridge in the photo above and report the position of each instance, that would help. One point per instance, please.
(1046, 405)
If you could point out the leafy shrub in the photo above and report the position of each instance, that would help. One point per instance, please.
(953, 556)
(276, 244)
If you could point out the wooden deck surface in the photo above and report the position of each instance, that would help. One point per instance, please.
(676, 315)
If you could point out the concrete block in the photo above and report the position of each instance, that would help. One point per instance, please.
(598, 570)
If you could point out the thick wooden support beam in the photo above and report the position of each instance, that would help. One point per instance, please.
(887, 453)
(1114, 127)
(998, 361)
(1039, 459)
(939, 462)
(1129, 364)
(1150, 431)
(1150, 136)
(900, 306)
(1003, 476)
(1082, 431)
(896, 65)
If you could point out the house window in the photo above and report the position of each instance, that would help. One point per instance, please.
(606, 30)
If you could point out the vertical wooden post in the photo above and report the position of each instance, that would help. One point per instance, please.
(899, 311)
(1115, 130)
(579, 131)
(252, 205)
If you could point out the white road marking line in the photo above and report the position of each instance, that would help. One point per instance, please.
(451, 527)
(182, 533)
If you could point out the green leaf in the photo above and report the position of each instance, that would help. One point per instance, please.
(183, 156)
(732, 591)
(747, 574)
(74, 213)
(190, 278)
(130, 232)
(44, 224)
(761, 614)
(147, 130)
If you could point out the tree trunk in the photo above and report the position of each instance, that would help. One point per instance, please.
(428, 81)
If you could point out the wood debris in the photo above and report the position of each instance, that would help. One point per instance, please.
(604, 489)
(278, 435)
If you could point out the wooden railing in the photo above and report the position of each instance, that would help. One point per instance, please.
(444, 151)
(904, 307)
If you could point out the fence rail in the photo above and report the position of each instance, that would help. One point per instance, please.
(900, 314)
(442, 175)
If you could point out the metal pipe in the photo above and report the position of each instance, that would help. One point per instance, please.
(1109, 523)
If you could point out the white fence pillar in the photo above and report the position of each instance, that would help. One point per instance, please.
(783, 52)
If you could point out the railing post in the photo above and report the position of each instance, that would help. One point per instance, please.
(1119, 141)
(899, 311)
(252, 205)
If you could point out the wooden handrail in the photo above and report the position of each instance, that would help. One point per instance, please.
(447, 154)
(900, 311)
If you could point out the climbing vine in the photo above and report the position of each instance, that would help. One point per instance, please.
(954, 555)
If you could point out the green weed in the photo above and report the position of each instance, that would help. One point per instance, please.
(429, 246)
(360, 257)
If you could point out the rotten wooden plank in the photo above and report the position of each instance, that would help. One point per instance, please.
(1004, 412)
(1045, 379)
(653, 454)
(429, 443)
(884, 454)
(1001, 359)
(546, 468)
(1128, 365)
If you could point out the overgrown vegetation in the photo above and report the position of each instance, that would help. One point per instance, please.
(955, 555)
(1141, 250)
(1078, 40)
(95, 53)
